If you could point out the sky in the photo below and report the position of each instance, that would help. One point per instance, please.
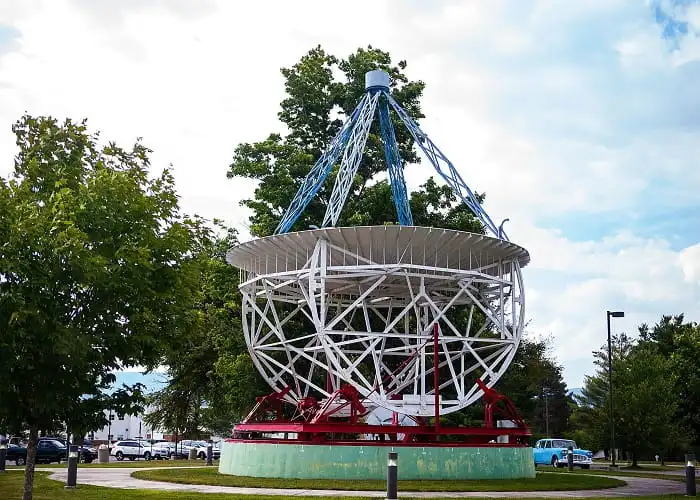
(579, 120)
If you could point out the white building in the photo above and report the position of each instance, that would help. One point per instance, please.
(126, 427)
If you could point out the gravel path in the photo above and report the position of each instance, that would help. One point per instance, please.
(121, 478)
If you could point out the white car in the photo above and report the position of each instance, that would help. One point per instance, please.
(201, 449)
(157, 450)
(131, 450)
(180, 452)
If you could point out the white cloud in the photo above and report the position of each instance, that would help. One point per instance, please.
(689, 260)
(542, 129)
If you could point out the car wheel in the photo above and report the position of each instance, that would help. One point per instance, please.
(119, 455)
(555, 462)
(20, 461)
(202, 455)
(170, 455)
(147, 455)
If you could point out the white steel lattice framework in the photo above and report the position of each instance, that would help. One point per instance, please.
(335, 306)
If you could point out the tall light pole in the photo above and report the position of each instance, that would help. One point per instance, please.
(612, 314)
(545, 393)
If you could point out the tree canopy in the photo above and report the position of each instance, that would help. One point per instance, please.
(96, 273)
(648, 406)
(322, 90)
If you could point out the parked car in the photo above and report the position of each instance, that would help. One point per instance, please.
(86, 454)
(131, 450)
(179, 451)
(554, 452)
(156, 451)
(201, 449)
(47, 451)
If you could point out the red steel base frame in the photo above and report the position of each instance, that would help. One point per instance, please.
(312, 424)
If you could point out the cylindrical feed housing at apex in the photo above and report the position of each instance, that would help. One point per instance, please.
(377, 79)
(330, 307)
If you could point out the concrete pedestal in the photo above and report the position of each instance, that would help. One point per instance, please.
(284, 460)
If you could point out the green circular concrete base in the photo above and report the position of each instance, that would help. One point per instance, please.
(369, 462)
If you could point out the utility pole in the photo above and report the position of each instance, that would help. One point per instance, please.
(546, 412)
(613, 314)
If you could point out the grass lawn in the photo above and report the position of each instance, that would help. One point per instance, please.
(129, 464)
(622, 472)
(543, 482)
(11, 485)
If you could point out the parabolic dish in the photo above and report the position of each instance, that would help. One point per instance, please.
(357, 305)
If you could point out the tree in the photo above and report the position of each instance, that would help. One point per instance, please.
(646, 403)
(645, 400)
(312, 113)
(590, 416)
(679, 342)
(212, 382)
(96, 272)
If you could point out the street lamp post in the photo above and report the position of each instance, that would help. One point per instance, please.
(546, 413)
(612, 314)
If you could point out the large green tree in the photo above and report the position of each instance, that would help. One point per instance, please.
(645, 400)
(646, 404)
(679, 342)
(322, 90)
(535, 384)
(96, 273)
(211, 380)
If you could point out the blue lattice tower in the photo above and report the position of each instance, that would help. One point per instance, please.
(350, 143)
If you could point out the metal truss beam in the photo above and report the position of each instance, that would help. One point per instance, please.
(351, 161)
(394, 165)
(383, 348)
(447, 170)
(318, 173)
(351, 140)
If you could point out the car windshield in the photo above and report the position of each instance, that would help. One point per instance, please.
(57, 443)
(563, 443)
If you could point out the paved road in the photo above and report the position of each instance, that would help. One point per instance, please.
(121, 478)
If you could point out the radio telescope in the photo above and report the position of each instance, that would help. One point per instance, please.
(417, 320)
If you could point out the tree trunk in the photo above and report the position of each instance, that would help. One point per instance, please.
(634, 460)
(31, 460)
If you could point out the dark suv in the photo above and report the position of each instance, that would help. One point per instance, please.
(47, 451)
(85, 454)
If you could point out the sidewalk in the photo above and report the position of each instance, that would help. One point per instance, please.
(121, 478)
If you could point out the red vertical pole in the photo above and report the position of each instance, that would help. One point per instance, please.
(436, 377)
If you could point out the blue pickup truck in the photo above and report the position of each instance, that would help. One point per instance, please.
(554, 451)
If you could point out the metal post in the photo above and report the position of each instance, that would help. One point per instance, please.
(210, 453)
(72, 478)
(690, 489)
(392, 476)
(570, 458)
(3, 454)
(546, 411)
(610, 388)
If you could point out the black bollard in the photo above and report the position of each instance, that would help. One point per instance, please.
(72, 477)
(3, 454)
(210, 454)
(392, 476)
(570, 458)
(690, 490)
